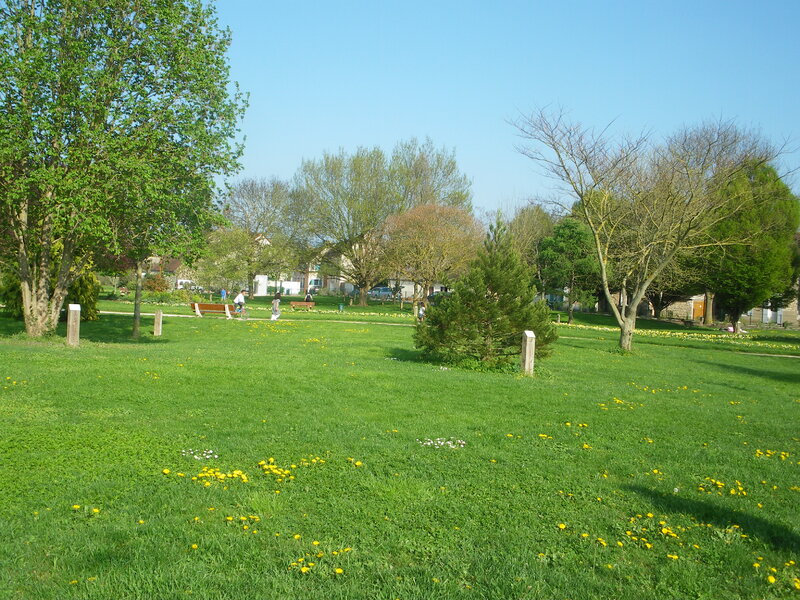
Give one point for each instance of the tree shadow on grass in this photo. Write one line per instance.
(116, 329)
(9, 326)
(779, 537)
(405, 355)
(109, 329)
(783, 377)
(788, 338)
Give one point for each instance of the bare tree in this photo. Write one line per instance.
(643, 202)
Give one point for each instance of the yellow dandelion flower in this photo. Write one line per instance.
(166, 471)
(562, 526)
(771, 579)
(297, 536)
(194, 546)
(338, 571)
(315, 543)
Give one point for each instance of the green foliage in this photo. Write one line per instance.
(85, 290)
(11, 295)
(117, 118)
(747, 274)
(170, 297)
(569, 263)
(490, 307)
(156, 283)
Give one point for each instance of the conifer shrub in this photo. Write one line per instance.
(85, 290)
(480, 324)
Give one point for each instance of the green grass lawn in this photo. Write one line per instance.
(673, 472)
(326, 308)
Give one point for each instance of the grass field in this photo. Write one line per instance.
(334, 463)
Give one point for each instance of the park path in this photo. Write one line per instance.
(114, 312)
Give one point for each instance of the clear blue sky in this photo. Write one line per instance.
(341, 74)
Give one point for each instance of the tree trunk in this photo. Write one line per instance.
(40, 308)
(570, 310)
(708, 314)
(362, 296)
(736, 322)
(626, 333)
(137, 303)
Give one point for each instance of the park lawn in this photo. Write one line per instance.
(671, 472)
(327, 308)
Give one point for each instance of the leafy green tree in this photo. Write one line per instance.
(482, 321)
(569, 263)
(115, 120)
(343, 201)
(423, 174)
(234, 256)
(748, 274)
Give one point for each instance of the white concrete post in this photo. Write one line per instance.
(158, 323)
(73, 325)
(528, 349)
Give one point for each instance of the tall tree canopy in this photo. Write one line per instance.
(763, 265)
(263, 227)
(423, 174)
(569, 264)
(343, 200)
(115, 119)
(528, 227)
(643, 202)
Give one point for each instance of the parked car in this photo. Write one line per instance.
(381, 293)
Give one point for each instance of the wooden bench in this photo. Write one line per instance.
(200, 307)
(306, 305)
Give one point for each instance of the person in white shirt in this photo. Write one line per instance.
(239, 301)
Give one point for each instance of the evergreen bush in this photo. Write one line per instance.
(85, 290)
(481, 322)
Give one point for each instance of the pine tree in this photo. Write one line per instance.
(482, 321)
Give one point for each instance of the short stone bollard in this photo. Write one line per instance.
(158, 322)
(528, 350)
(73, 325)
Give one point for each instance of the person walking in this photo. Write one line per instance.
(276, 306)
